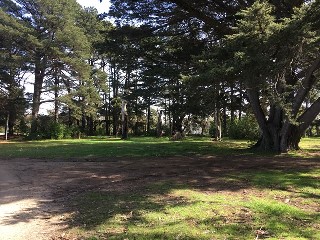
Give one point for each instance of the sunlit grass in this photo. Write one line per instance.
(114, 147)
(170, 211)
(310, 143)
(136, 147)
(310, 147)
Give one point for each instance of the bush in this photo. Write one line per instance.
(57, 130)
(23, 127)
(47, 128)
(246, 128)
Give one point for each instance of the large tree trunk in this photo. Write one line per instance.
(40, 66)
(265, 142)
(278, 133)
(279, 141)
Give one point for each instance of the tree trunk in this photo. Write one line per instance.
(7, 126)
(83, 123)
(90, 126)
(159, 124)
(148, 119)
(124, 115)
(217, 122)
(107, 119)
(11, 123)
(240, 102)
(232, 97)
(278, 133)
(38, 82)
(56, 100)
(225, 124)
(265, 142)
(115, 119)
(177, 123)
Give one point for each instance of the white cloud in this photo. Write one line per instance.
(100, 6)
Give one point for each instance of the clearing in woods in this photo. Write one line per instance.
(239, 196)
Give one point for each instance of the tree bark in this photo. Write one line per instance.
(7, 126)
(278, 133)
(124, 115)
(309, 116)
(148, 118)
(265, 142)
(40, 66)
(307, 83)
(159, 124)
(217, 122)
(56, 100)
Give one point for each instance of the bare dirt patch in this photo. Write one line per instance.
(35, 194)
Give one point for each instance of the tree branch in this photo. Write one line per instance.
(309, 115)
(307, 84)
(253, 96)
(201, 15)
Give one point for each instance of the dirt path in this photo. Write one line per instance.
(26, 205)
(34, 194)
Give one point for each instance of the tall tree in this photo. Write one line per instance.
(13, 66)
(54, 38)
(273, 53)
(279, 61)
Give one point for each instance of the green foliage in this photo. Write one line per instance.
(50, 129)
(23, 127)
(253, 43)
(58, 131)
(246, 128)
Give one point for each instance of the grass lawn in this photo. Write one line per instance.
(114, 147)
(273, 205)
(134, 147)
(194, 189)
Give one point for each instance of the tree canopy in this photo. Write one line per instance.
(184, 63)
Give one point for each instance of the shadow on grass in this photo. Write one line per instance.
(171, 211)
(135, 147)
(142, 147)
(201, 197)
(152, 209)
(302, 182)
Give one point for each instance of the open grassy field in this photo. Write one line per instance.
(134, 147)
(194, 189)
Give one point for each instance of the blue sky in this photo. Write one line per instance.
(102, 7)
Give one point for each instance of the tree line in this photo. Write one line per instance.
(249, 67)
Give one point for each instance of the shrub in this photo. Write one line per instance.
(246, 128)
(23, 127)
(57, 130)
(47, 128)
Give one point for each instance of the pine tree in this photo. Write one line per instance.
(52, 41)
